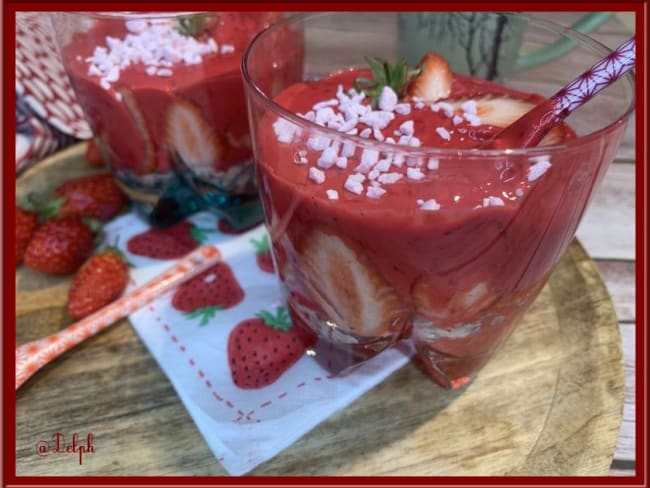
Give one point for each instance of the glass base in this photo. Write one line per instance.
(448, 371)
(165, 199)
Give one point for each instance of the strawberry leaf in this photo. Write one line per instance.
(204, 313)
(395, 76)
(283, 314)
(93, 224)
(113, 249)
(364, 81)
(279, 321)
(47, 209)
(378, 67)
(191, 25)
(199, 234)
(262, 245)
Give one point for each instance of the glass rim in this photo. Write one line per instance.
(132, 14)
(599, 48)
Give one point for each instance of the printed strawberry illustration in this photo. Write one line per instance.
(95, 196)
(101, 279)
(263, 254)
(59, 246)
(204, 295)
(26, 224)
(261, 349)
(167, 243)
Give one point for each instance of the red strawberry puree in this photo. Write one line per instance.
(450, 254)
(186, 98)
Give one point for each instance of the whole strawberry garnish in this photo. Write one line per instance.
(95, 196)
(26, 224)
(263, 254)
(260, 350)
(167, 243)
(59, 246)
(204, 295)
(101, 279)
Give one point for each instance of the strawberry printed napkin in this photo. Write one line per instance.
(225, 340)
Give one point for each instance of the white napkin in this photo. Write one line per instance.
(242, 427)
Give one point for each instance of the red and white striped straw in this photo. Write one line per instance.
(32, 356)
(529, 130)
(599, 76)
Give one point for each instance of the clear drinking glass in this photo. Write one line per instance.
(450, 261)
(164, 96)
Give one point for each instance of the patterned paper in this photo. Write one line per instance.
(48, 116)
(41, 79)
(35, 137)
(187, 332)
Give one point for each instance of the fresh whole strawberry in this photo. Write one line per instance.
(167, 243)
(59, 246)
(26, 224)
(204, 295)
(261, 349)
(101, 279)
(94, 196)
(263, 254)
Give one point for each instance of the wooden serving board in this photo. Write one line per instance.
(549, 403)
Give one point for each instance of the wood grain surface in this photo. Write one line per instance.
(549, 403)
(111, 387)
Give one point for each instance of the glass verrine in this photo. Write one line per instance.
(398, 227)
(163, 94)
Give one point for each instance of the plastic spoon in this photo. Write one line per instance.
(528, 130)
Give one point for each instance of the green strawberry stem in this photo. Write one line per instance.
(279, 321)
(395, 76)
(199, 234)
(114, 249)
(204, 313)
(191, 25)
(46, 209)
(93, 224)
(97, 227)
(51, 208)
(262, 245)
